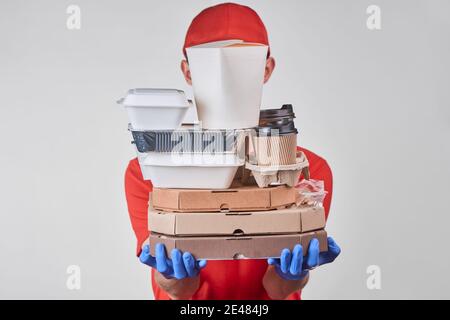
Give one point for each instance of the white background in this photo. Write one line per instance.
(375, 104)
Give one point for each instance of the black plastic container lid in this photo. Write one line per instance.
(186, 140)
(286, 111)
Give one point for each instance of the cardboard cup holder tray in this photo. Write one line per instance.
(289, 175)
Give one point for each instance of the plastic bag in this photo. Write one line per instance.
(310, 192)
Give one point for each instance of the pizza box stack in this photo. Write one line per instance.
(224, 188)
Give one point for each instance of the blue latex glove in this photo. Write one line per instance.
(181, 266)
(293, 266)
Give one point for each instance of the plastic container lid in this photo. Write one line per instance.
(280, 120)
(155, 98)
(286, 111)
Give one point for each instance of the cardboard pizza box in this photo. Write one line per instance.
(292, 220)
(242, 198)
(232, 248)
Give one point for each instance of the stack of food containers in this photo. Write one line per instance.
(175, 157)
(225, 190)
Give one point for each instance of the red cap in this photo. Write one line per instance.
(226, 21)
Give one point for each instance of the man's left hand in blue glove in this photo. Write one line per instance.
(290, 272)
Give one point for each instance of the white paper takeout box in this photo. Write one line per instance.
(227, 79)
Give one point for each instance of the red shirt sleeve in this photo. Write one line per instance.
(137, 192)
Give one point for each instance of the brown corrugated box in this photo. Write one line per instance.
(228, 248)
(283, 221)
(244, 198)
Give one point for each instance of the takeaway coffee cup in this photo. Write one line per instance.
(275, 141)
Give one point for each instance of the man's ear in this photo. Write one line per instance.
(186, 71)
(270, 66)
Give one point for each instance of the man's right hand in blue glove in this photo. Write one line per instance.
(292, 265)
(290, 272)
(179, 276)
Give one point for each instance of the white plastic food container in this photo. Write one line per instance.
(190, 171)
(155, 109)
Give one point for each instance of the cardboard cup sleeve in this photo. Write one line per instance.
(275, 150)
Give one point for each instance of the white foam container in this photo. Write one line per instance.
(190, 171)
(155, 109)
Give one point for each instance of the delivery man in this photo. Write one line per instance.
(180, 276)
